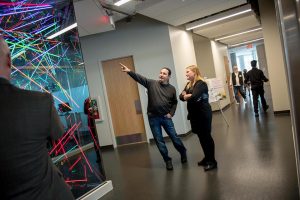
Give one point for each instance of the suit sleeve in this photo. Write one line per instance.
(56, 127)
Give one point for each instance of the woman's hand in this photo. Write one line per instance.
(168, 115)
(187, 96)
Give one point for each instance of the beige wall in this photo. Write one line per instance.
(274, 55)
(219, 51)
(204, 56)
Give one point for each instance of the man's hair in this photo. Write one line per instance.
(169, 71)
(253, 63)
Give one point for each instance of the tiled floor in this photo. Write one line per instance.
(255, 161)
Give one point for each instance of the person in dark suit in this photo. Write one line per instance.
(28, 120)
(91, 113)
(257, 79)
(200, 114)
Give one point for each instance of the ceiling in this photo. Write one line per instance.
(96, 16)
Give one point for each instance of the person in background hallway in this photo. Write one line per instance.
(246, 85)
(200, 114)
(237, 81)
(257, 79)
(90, 112)
(28, 119)
(162, 103)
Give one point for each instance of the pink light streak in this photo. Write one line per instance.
(79, 180)
(95, 142)
(87, 162)
(78, 159)
(21, 4)
(60, 140)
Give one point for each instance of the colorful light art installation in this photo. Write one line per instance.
(55, 66)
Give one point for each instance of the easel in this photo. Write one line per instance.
(219, 105)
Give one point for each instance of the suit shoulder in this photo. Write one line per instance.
(34, 94)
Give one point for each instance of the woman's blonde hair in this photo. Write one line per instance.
(198, 76)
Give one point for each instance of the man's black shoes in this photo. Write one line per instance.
(169, 165)
(183, 158)
(210, 166)
(202, 162)
(266, 108)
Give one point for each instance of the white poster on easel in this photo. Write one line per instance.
(216, 93)
(216, 89)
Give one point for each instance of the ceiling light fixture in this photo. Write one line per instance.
(236, 34)
(219, 17)
(121, 2)
(62, 31)
(247, 42)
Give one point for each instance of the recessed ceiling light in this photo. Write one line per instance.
(236, 34)
(121, 2)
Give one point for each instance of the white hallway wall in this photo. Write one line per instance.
(184, 55)
(148, 41)
(274, 55)
(219, 51)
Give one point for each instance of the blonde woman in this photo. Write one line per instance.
(200, 114)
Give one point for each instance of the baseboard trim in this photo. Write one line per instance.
(98, 192)
(107, 147)
(282, 112)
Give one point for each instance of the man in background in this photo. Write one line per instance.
(91, 113)
(237, 80)
(27, 120)
(257, 79)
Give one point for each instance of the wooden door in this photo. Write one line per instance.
(124, 102)
(226, 62)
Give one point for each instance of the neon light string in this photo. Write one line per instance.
(45, 52)
(63, 90)
(14, 13)
(32, 15)
(40, 86)
(69, 136)
(31, 23)
(60, 140)
(22, 4)
(94, 138)
(76, 181)
(88, 163)
(44, 28)
(78, 159)
(29, 48)
(65, 154)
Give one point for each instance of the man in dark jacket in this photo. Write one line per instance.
(162, 103)
(257, 79)
(27, 120)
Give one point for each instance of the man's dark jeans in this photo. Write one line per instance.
(155, 124)
(258, 92)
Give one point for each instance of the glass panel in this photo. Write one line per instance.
(55, 66)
